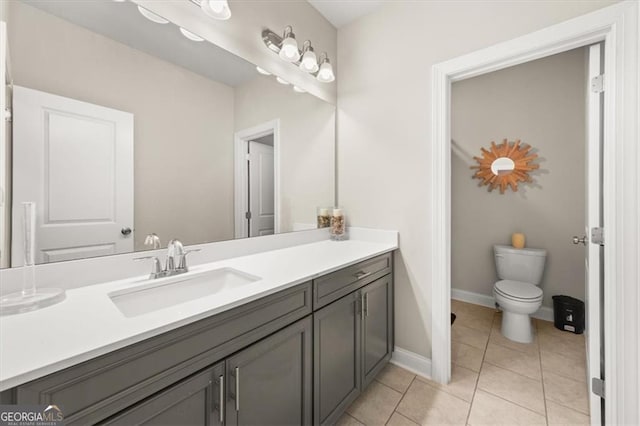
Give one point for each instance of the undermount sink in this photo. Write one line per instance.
(165, 292)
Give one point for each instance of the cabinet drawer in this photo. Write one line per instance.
(194, 401)
(333, 286)
(96, 389)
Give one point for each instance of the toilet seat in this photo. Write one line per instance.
(518, 291)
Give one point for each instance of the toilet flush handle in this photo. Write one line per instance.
(577, 240)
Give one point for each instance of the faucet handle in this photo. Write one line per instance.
(156, 269)
(183, 259)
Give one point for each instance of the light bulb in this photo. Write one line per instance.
(289, 48)
(325, 74)
(152, 16)
(282, 81)
(299, 89)
(263, 71)
(216, 9)
(309, 61)
(191, 36)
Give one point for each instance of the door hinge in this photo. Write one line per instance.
(597, 84)
(597, 386)
(248, 157)
(247, 215)
(597, 236)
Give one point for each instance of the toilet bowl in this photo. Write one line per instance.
(518, 300)
(517, 292)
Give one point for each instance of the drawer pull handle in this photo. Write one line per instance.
(221, 400)
(361, 274)
(237, 388)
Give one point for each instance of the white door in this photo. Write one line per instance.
(261, 195)
(75, 161)
(594, 259)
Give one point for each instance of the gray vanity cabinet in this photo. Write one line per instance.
(269, 383)
(300, 356)
(194, 401)
(377, 327)
(353, 341)
(337, 369)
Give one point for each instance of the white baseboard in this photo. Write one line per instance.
(411, 361)
(544, 313)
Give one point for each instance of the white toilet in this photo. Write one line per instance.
(517, 293)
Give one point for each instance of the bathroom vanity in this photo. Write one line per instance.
(299, 354)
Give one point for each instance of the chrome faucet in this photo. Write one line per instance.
(176, 254)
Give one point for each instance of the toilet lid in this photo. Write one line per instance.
(518, 290)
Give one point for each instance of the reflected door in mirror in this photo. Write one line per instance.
(75, 161)
(261, 189)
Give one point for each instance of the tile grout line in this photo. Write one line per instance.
(503, 399)
(544, 394)
(415, 377)
(475, 388)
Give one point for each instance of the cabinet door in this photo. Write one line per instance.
(377, 327)
(337, 357)
(193, 401)
(270, 382)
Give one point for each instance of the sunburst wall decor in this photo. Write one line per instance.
(505, 165)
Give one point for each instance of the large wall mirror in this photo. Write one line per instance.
(123, 128)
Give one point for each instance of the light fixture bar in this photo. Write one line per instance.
(273, 41)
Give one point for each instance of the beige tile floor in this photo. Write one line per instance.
(494, 381)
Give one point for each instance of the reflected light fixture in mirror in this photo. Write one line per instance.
(309, 62)
(282, 81)
(289, 48)
(299, 89)
(262, 71)
(216, 9)
(191, 36)
(152, 16)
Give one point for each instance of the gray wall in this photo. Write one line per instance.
(384, 123)
(177, 115)
(543, 104)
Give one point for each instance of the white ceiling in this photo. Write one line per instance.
(343, 12)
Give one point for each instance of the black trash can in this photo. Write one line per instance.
(568, 314)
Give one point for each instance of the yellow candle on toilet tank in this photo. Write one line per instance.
(517, 240)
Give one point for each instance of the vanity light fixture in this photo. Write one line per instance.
(309, 62)
(216, 9)
(282, 81)
(325, 74)
(299, 89)
(152, 16)
(287, 48)
(263, 71)
(191, 36)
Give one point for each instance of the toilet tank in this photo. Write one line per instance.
(525, 264)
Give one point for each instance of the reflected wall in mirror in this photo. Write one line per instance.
(123, 127)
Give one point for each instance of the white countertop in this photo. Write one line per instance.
(87, 324)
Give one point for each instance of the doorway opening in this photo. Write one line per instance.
(616, 27)
(543, 104)
(256, 177)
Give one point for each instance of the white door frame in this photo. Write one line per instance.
(240, 200)
(617, 27)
